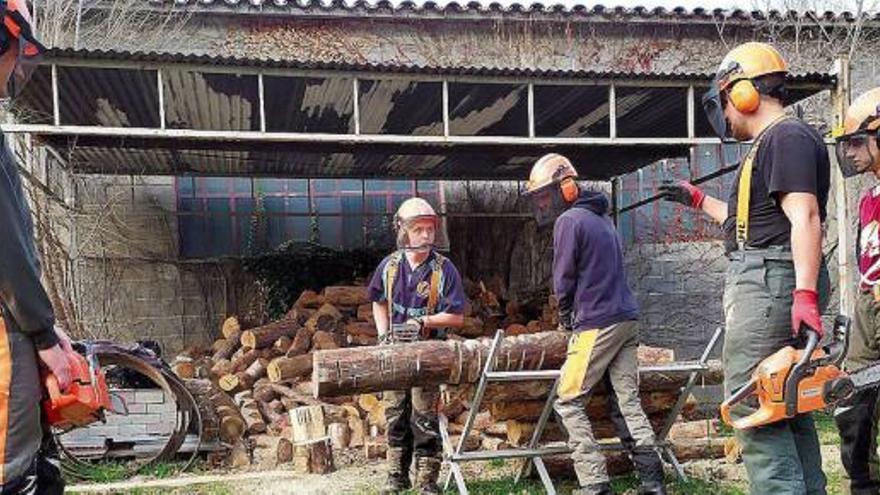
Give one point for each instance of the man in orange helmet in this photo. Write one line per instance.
(777, 280)
(28, 338)
(418, 288)
(857, 153)
(597, 306)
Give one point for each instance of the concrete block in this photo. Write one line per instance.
(163, 408)
(136, 408)
(132, 430)
(150, 396)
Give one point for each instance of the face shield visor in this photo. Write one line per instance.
(856, 153)
(714, 101)
(20, 52)
(546, 203)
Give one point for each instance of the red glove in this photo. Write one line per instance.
(682, 192)
(805, 311)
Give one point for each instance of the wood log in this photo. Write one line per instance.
(366, 369)
(270, 451)
(266, 335)
(365, 312)
(361, 340)
(264, 393)
(472, 442)
(230, 327)
(361, 328)
(309, 299)
(282, 345)
(346, 295)
(655, 355)
(519, 433)
(688, 430)
(217, 345)
(375, 447)
(498, 429)
(515, 329)
(324, 340)
(698, 448)
(202, 390)
(340, 435)
(221, 367)
(326, 319)
(472, 328)
(243, 360)
(302, 343)
(494, 443)
(239, 456)
(313, 458)
(597, 407)
(244, 380)
(253, 418)
(184, 367)
(374, 409)
(358, 431)
(283, 369)
(229, 346)
(218, 411)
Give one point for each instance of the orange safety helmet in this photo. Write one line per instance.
(857, 141)
(552, 187)
(16, 34)
(738, 80)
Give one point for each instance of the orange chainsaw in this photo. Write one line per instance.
(796, 381)
(86, 399)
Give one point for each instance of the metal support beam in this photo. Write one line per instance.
(445, 88)
(356, 101)
(280, 137)
(531, 109)
(612, 111)
(160, 87)
(56, 109)
(261, 94)
(691, 128)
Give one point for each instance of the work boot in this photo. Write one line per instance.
(652, 488)
(427, 472)
(594, 489)
(398, 474)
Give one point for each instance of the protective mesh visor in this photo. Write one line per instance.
(714, 108)
(855, 153)
(546, 203)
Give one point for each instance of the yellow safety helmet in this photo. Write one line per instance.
(861, 125)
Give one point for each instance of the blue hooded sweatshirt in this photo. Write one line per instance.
(588, 275)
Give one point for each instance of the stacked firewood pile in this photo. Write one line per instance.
(255, 380)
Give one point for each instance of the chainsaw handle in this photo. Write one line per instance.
(793, 380)
(57, 398)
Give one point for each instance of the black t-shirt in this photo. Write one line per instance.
(791, 158)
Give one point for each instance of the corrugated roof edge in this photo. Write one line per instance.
(157, 57)
(495, 9)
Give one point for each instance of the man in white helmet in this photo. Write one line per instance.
(858, 152)
(418, 286)
(597, 306)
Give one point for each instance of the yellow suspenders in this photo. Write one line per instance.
(436, 280)
(744, 189)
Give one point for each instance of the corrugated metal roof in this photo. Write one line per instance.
(162, 57)
(480, 10)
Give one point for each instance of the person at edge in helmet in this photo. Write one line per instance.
(858, 153)
(597, 307)
(419, 286)
(777, 281)
(28, 336)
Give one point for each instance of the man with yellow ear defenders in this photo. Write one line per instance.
(777, 281)
(858, 153)
(598, 308)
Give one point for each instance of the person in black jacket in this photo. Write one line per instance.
(28, 337)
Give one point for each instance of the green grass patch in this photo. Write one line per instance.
(200, 489)
(826, 428)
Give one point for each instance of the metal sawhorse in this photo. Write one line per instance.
(455, 454)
